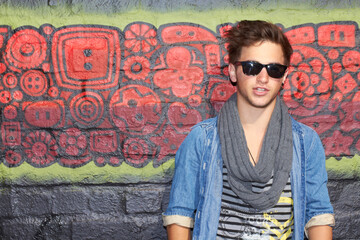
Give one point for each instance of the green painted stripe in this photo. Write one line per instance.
(288, 15)
(345, 168)
(26, 174)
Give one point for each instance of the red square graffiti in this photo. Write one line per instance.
(11, 133)
(103, 141)
(86, 56)
(337, 35)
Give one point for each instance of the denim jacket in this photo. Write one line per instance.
(197, 182)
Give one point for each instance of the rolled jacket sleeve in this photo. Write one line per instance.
(326, 219)
(179, 220)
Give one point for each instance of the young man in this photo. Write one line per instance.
(252, 172)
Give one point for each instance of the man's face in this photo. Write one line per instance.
(258, 91)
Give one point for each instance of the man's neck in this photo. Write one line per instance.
(255, 122)
(255, 116)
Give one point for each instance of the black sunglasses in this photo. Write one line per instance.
(253, 68)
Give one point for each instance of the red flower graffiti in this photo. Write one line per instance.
(73, 142)
(180, 76)
(310, 81)
(136, 67)
(40, 148)
(140, 37)
(337, 144)
(135, 109)
(137, 151)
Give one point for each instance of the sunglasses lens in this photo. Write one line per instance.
(276, 70)
(251, 68)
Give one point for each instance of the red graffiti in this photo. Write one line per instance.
(180, 76)
(91, 93)
(86, 57)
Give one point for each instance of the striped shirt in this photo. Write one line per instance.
(239, 220)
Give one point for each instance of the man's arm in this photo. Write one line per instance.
(177, 232)
(320, 233)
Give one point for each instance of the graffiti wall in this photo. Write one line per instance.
(83, 94)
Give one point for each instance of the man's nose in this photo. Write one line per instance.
(263, 76)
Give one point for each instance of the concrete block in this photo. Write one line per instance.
(104, 229)
(70, 201)
(349, 199)
(143, 201)
(22, 228)
(5, 203)
(31, 202)
(104, 200)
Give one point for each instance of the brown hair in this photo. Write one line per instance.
(247, 33)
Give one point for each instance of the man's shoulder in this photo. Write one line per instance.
(302, 129)
(210, 123)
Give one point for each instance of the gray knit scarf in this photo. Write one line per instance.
(275, 156)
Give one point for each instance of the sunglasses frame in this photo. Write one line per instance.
(245, 64)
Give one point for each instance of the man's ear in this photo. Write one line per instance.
(232, 73)
(285, 76)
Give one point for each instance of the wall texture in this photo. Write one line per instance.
(96, 97)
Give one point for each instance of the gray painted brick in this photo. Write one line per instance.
(54, 228)
(346, 225)
(143, 201)
(105, 201)
(31, 202)
(335, 189)
(122, 228)
(154, 230)
(165, 198)
(19, 229)
(104, 229)
(70, 201)
(5, 203)
(349, 199)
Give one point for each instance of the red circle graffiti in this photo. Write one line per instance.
(87, 108)
(10, 112)
(53, 92)
(10, 80)
(2, 68)
(140, 37)
(136, 151)
(333, 54)
(17, 95)
(26, 49)
(34, 83)
(136, 67)
(135, 109)
(40, 148)
(5, 97)
(310, 81)
(351, 61)
(12, 157)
